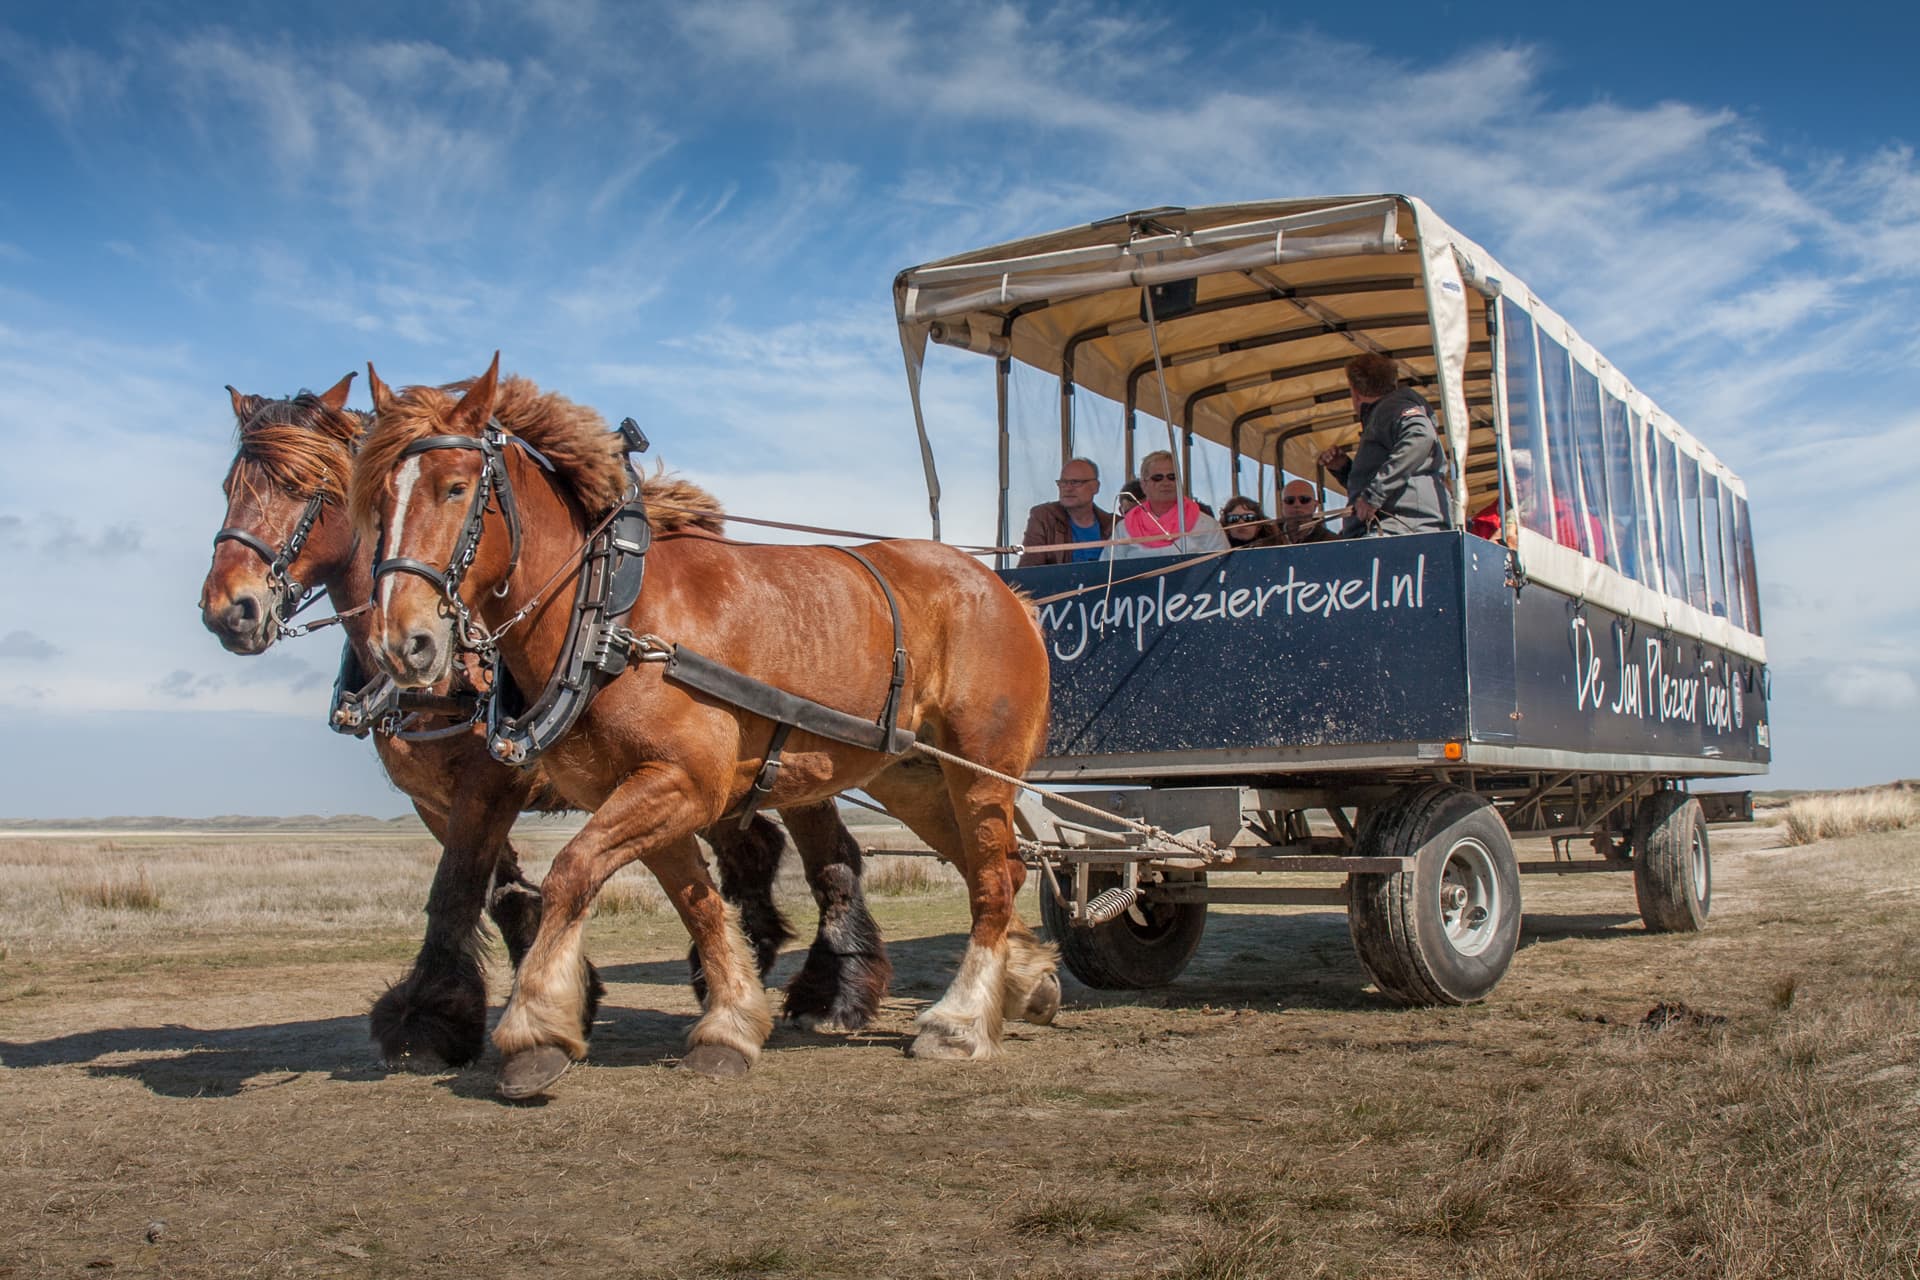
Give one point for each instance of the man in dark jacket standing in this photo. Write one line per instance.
(1073, 518)
(1396, 480)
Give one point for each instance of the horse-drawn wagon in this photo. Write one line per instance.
(1387, 711)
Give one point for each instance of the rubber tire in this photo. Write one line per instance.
(1396, 921)
(1126, 954)
(1667, 884)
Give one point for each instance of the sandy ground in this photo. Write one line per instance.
(211, 1087)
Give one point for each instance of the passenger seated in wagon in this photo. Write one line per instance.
(1566, 521)
(1300, 515)
(1073, 518)
(1167, 523)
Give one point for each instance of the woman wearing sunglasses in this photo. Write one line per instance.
(1167, 523)
(1246, 525)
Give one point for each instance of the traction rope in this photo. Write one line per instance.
(1205, 849)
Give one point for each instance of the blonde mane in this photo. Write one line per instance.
(586, 456)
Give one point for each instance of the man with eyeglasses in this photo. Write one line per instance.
(1300, 515)
(1072, 517)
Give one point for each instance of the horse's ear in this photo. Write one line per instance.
(244, 406)
(475, 409)
(336, 395)
(381, 396)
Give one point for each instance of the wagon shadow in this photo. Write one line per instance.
(195, 1062)
(1599, 926)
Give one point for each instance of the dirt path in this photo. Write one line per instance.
(1267, 1115)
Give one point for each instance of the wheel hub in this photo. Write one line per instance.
(1470, 898)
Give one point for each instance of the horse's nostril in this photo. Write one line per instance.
(420, 651)
(243, 612)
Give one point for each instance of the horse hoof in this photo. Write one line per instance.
(947, 1044)
(418, 1062)
(1043, 1002)
(531, 1072)
(715, 1061)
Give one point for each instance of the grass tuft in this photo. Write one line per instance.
(114, 893)
(636, 895)
(1075, 1221)
(886, 877)
(1850, 813)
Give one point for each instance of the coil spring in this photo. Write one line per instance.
(1110, 904)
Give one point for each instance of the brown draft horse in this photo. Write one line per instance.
(657, 762)
(286, 492)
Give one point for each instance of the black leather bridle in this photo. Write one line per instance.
(292, 596)
(492, 446)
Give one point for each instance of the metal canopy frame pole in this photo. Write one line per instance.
(1003, 371)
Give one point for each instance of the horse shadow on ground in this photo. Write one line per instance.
(199, 1062)
(1300, 961)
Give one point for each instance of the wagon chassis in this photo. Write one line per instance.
(1128, 906)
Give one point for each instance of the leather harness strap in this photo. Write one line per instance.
(790, 711)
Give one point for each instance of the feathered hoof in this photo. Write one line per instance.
(1042, 1002)
(820, 1023)
(715, 1061)
(429, 1024)
(531, 1072)
(946, 1042)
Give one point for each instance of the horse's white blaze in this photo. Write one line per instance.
(403, 482)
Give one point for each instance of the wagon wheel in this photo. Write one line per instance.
(1147, 945)
(1444, 932)
(1672, 867)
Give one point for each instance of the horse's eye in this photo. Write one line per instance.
(458, 489)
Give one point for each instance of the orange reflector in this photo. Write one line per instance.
(1453, 751)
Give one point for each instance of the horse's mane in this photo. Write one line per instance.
(300, 445)
(588, 458)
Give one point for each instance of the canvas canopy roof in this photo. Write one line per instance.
(1284, 294)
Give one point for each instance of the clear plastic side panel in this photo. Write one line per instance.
(1556, 397)
(1209, 473)
(1099, 434)
(1648, 494)
(1526, 439)
(1628, 544)
(1598, 527)
(1673, 539)
(1743, 543)
(1690, 522)
(1717, 600)
(1096, 431)
(1736, 572)
(1033, 427)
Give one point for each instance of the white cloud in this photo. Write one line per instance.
(1872, 688)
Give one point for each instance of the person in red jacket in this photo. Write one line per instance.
(1566, 521)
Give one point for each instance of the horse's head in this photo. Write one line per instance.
(285, 529)
(429, 485)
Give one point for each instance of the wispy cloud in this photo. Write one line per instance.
(26, 646)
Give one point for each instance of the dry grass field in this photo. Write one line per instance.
(184, 1056)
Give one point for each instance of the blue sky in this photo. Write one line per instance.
(692, 214)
